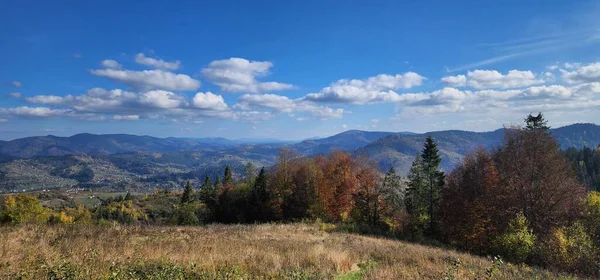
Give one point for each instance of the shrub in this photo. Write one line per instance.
(570, 249)
(23, 208)
(517, 243)
(592, 215)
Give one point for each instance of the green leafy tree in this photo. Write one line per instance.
(517, 242)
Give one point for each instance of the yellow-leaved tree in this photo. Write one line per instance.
(23, 208)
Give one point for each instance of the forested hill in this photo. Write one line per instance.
(144, 162)
(399, 150)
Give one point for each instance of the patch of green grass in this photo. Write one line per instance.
(364, 268)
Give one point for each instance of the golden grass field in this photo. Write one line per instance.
(266, 251)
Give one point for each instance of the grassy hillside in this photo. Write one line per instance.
(267, 251)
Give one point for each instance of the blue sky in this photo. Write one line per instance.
(293, 69)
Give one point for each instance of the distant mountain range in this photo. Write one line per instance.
(89, 160)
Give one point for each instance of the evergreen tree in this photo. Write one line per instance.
(392, 190)
(259, 198)
(187, 193)
(208, 193)
(207, 183)
(434, 180)
(249, 173)
(227, 178)
(536, 122)
(128, 196)
(415, 193)
(217, 182)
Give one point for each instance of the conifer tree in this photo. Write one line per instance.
(259, 197)
(187, 193)
(434, 180)
(392, 190)
(415, 193)
(207, 183)
(217, 182)
(227, 178)
(536, 122)
(249, 173)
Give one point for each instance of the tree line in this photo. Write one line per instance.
(524, 200)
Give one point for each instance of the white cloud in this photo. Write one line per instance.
(240, 75)
(149, 79)
(126, 117)
(161, 99)
(15, 94)
(375, 89)
(279, 103)
(112, 64)
(148, 104)
(588, 73)
(551, 97)
(455, 81)
(484, 79)
(16, 84)
(209, 101)
(45, 99)
(140, 58)
(41, 112)
(3, 120)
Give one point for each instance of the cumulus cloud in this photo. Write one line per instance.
(36, 112)
(45, 99)
(279, 103)
(112, 64)
(487, 79)
(14, 94)
(551, 97)
(375, 89)
(98, 102)
(126, 117)
(455, 81)
(140, 58)
(16, 84)
(209, 101)
(240, 75)
(149, 79)
(161, 99)
(584, 74)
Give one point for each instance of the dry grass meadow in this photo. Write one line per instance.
(267, 251)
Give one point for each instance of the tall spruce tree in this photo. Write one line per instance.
(536, 122)
(207, 183)
(425, 186)
(217, 182)
(392, 190)
(228, 177)
(416, 203)
(208, 193)
(259, 198)
(249, 173)
(434, 180)
(187, 193)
